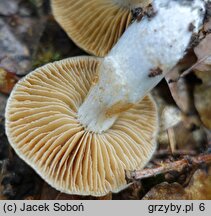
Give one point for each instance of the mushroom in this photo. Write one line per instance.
(81, 122)
(95, 25)
(43, 128)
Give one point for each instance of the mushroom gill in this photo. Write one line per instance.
(94, 25)
(43, 128)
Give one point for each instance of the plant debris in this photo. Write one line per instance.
(198, 189)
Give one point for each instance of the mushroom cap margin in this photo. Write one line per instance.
(94, 25)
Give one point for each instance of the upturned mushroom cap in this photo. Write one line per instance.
(95, 25)
(43, 128)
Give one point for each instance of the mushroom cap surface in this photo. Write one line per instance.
(43, 128)
(94, 25)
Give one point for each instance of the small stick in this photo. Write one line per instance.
(167, 167)
(180, 152)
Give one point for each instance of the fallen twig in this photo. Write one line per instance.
(178, 152)
(167, 167)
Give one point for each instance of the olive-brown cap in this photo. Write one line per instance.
(94, 25)
(43, 128)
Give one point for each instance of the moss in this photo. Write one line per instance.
(36, 3)
(45, 56)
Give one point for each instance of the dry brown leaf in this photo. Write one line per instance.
(207, 26)
(179, 88)
(202, 50)
(166, 191)
(199, 188)
(7, 81)
(202, 96)
(202, 93)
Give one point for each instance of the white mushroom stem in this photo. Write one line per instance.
(141, 58)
